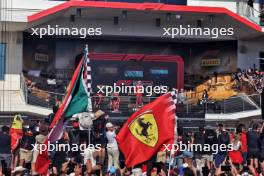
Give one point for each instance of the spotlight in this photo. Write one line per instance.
(178, 16)
(168, 17)
(199, 23)
(124, 14)
(211, 19)
(72, 18)
(115, 20)
(79, 12)
(158, 22)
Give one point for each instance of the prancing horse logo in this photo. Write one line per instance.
(145, 129)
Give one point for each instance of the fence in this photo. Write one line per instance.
(239, 103)
(248, 12)
(127, 104)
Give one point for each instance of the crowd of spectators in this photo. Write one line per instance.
(245, 158)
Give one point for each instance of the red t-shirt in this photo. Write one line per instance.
(243, 142)
(139, 90)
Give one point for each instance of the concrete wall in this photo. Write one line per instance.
(248, 53)
(18, 10)
(14, 46)
(230, 5)
(141, 28)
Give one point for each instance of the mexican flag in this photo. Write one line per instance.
(77, 98)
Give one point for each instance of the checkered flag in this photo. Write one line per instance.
(174, 96)
(87, 78)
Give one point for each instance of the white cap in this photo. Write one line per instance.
(109, 125)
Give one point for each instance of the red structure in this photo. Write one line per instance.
(143, 57)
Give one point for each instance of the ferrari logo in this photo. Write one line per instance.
(145, 129)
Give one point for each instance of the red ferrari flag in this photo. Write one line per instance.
(147, 130)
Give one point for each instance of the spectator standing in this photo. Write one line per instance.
(139, 94)
(253, 138)
(60, 155)
(211, 139)
(205, 96)
(74, 136)
(112, 147)
(262, 148)
(115, 102)
(99, 133)
(40, 139)
(241, 130)
(236, 158)
(222, 139)
(25, 153)
(5, 151)
(16, 133)
(199, 139)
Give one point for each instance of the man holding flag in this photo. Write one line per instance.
(148, 130)
(77, 100)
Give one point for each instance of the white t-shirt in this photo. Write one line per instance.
(88, 155)
(110, 135)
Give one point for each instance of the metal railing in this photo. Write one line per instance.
(127, 104)
(242, 8)
(196, 129)
(43, 98)
(236, 104)
(252, 14)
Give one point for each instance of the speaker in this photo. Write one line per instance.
(116, 20)
(72, 18)
(199, 23)
(157, 22)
